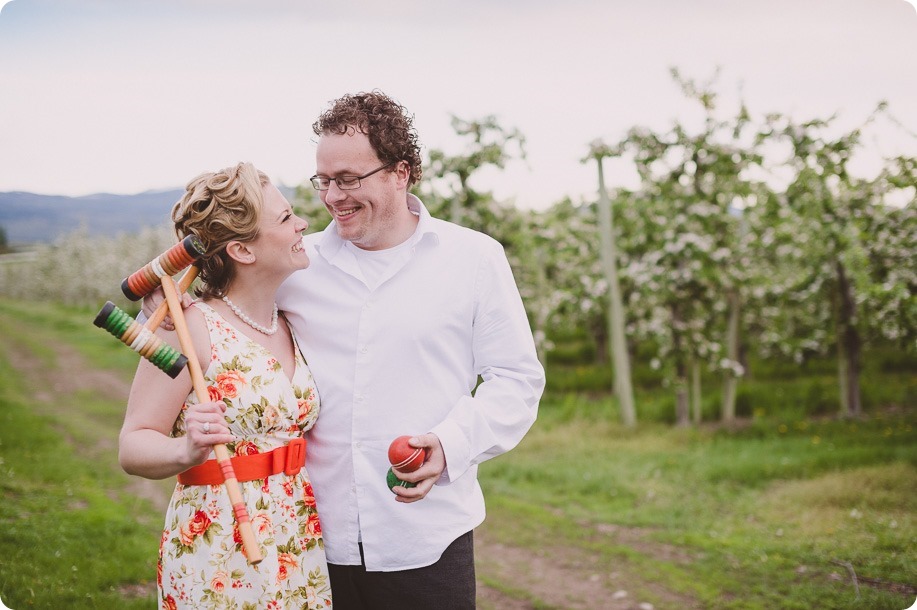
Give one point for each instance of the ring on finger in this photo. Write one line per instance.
(206, 427)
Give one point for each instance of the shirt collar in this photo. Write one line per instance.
(425, 226)
(330, 243)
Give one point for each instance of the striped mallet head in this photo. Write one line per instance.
(146, 279)
(140, 339)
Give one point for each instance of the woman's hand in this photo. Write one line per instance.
(151, 302)
(205, 426)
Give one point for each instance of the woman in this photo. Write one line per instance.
(263, 398)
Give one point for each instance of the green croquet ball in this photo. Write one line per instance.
(393, 481)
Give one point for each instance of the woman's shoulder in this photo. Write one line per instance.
(196, 319)
(197, 314)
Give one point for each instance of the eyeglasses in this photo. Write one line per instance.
(345, 183)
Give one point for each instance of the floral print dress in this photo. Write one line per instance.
(201, 562)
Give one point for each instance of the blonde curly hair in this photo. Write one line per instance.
(220, 207)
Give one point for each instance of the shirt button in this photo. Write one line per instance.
(357, 444)
(364, 349)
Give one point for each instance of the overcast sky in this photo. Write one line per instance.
(125, 96)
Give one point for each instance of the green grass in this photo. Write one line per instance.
(763, 511)
(40, 325)
(71, 535)
(750, 517)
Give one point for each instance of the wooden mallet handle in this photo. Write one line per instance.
(249, 543)
(160, 313)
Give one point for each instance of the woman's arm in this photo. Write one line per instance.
(145, 447)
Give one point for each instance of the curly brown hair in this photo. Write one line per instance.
(387, 124)
(220, 207)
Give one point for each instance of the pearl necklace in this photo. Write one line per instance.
(242, 316)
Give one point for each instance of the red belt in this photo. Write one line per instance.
(289, 459)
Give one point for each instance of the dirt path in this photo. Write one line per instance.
(564, 576)
(71, 375)
(555, 576)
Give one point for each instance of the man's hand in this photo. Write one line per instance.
(427, 475)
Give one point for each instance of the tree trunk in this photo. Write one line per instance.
(842, 375)
(460, 202)
(681, 404)
(622, 378)
(696, 414)
(599, 331)
(541, 312)
(731, 381)
(682, 417)
(743, 358)
(848, 344)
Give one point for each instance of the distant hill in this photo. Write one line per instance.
(32, 218)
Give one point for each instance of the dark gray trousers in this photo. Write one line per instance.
(448, 584)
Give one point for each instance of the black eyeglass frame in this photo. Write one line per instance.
(345, 183)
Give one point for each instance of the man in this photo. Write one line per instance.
(398, 315)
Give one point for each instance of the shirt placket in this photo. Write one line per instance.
(362, 415)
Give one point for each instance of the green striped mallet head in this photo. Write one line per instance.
(141, 339)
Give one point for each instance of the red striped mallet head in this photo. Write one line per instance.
(145, 280)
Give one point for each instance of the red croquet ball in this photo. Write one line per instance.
(403, 457)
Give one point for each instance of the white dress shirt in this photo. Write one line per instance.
(402, 358)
